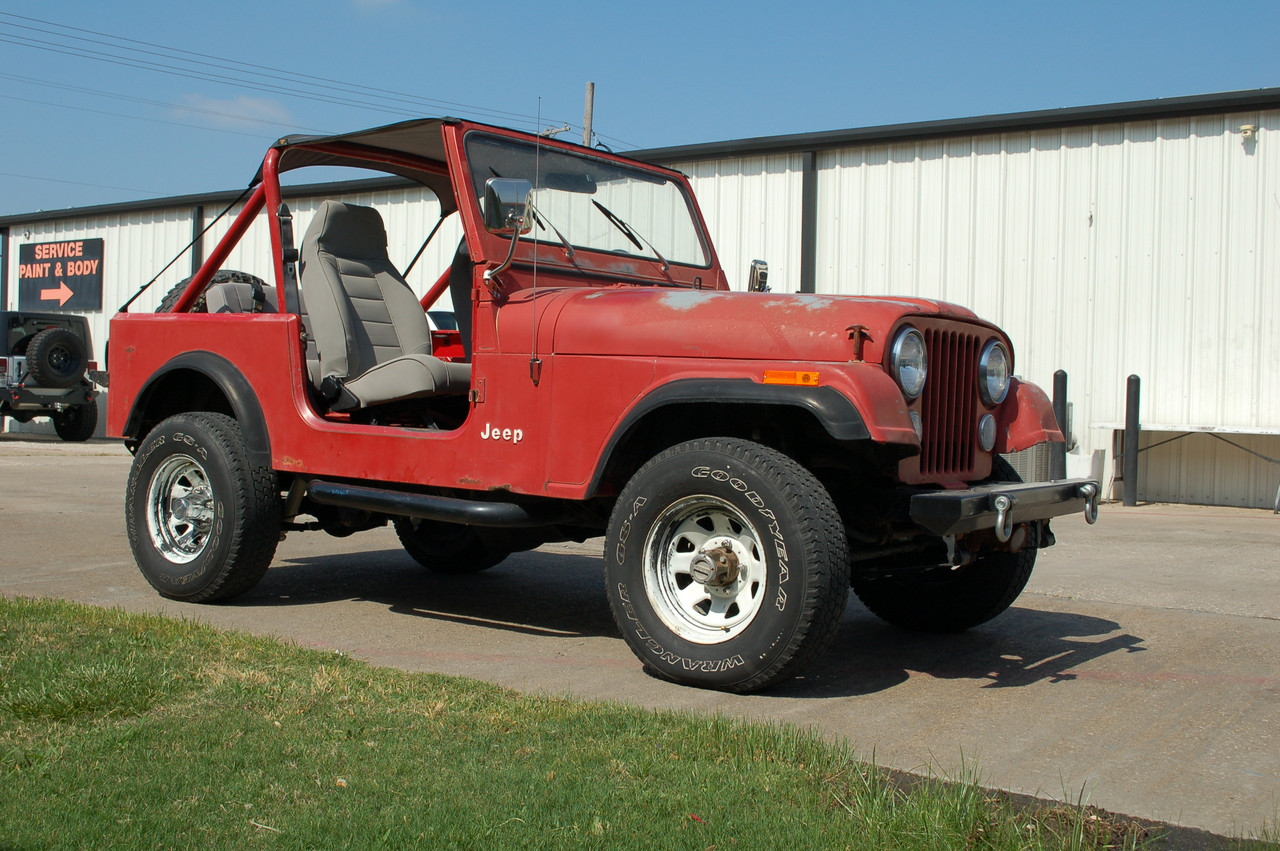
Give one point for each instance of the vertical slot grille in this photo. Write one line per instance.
(950, 404)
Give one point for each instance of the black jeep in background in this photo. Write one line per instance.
(44, 358)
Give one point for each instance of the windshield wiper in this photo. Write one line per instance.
(631, 234)
(540, 218)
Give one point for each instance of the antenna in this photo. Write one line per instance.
(535, 362)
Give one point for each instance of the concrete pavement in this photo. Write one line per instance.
(1140, 670)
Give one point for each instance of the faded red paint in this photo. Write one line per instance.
(609, 332)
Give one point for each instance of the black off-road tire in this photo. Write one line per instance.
(76, 424)
(941, 599)
(449, 547)
(56, 357)
(764, 513)
(222, 276)
(203, 521)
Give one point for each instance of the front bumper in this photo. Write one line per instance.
(1001, 506)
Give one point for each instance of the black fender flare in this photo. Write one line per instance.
(234, 386)
(831, 408)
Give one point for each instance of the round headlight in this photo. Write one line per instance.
(993, 373)
(909, 362)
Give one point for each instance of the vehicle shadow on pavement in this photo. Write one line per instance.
(1019, 648)
(554, 595)
(532, 593)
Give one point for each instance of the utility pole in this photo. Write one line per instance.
(587, 114)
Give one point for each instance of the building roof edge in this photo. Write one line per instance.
(1145, 110)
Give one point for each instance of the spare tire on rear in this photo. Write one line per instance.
(222, 276)
(56, 357)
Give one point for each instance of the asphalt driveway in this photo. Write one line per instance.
(1140, 671)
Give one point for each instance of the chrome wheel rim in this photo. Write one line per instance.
(180, 509)
(702, 528)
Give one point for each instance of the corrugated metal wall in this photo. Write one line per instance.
(1210, 469)
(409, 214)
(752, 206)
(1149, 248)
(135, 246)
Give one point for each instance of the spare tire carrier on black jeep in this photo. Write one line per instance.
(56, 357)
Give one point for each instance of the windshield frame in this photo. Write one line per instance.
(546, 244)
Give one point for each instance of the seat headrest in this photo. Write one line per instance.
(348, 230)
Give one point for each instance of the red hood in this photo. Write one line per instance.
(649, 321)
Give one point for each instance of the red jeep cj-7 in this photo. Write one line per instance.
(748, 456)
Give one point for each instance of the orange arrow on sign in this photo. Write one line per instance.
(62, 293)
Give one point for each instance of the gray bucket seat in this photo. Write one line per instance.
(372, 339)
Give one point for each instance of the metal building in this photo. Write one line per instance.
(1135, 238)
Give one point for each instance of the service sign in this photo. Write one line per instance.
(63, 275)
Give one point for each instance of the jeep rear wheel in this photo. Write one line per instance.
(946, 599)
(56, 357)
(726, 565)
(76, 423)
(203, 521)
(448, 547)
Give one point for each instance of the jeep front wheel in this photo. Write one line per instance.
(202, 519)
(726, 565)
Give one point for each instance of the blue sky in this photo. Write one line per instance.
(80, 130)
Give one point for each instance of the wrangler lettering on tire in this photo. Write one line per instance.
(727, 565)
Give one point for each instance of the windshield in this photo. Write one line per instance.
(595, 204)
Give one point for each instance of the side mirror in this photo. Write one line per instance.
(505, 201)
(758, 277)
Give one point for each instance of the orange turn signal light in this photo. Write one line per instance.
(782, 376)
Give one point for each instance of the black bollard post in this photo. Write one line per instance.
(1129, 470)
(1058, 460)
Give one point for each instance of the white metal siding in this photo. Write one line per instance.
(137, 245)
(1150, 248)
(1209, 469)
(132, 245)
(1147, 248)
(752, 208)
(409, 214)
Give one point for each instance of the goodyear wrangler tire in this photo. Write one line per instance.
(942, 599)
(203, 521)
(726, 565)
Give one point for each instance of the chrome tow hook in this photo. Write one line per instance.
(1090, 493)
(1003, 504)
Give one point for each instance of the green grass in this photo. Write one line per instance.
(132, 731)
